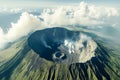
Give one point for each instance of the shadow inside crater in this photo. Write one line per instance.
(46, 42)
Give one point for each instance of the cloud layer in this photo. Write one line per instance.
(26, 24)
(83, 14)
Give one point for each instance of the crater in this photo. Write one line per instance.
(62, 45)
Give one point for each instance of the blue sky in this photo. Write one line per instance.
(53, 3)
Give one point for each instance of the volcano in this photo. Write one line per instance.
(62, 54)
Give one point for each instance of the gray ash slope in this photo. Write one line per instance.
(27, 65)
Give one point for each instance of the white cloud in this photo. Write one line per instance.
(83, 14)
(11, 10)
(16, 10)
(26, 24)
